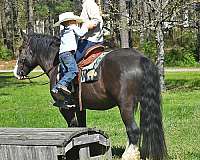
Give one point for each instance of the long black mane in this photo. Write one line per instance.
(43, 44)
(45, 47)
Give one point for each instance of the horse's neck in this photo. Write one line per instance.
(52, 72)
(53, 76)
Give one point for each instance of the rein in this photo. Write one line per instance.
(27, 77)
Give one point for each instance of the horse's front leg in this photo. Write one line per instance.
(70, 117)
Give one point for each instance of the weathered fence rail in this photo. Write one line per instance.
(54, 144)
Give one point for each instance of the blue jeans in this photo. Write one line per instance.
(68, 68)
(83, 45)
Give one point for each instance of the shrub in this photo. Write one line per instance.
(5, 54)
(180, 57)
(149, 49)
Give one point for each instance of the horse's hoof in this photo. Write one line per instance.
(132, 153)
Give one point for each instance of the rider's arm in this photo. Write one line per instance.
(80, 31)
(92, 11)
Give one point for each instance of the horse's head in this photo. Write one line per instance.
(36, 50)
(26, 61)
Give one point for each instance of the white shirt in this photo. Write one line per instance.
(91, 12)
(69, 37)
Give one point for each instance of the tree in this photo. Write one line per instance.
(124, 33)
(30, 16)
(1, 27)
(7, 23)
(16, 30)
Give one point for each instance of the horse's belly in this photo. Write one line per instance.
(95, 97)
(98, 107)
(97, 103)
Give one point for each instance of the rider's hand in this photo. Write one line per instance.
(90, 25)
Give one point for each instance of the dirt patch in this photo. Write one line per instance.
(7, 65)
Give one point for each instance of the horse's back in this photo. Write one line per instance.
(122, 70)
(124, 61)
(124, 52)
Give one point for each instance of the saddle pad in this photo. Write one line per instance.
(89, 73)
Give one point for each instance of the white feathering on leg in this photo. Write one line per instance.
(132, 153)
(15, 71)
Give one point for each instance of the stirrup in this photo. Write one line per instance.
(64, 89)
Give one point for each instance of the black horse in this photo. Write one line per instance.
(127, 78)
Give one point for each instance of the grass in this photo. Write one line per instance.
(25, 104)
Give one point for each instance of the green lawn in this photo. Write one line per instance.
(25, 104)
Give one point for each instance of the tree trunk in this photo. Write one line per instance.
(16, 31)
(1, 28)
(8, 25)
(46, 26)
(160, 44)
(3, 24)
(77, 6)
(198, 37)
(124, 35)
(130, 32)
(30, 17)
(160, 54)
(143, 21)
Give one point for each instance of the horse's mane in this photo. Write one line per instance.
(44, 44)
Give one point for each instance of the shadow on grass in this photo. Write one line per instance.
(4, 94)
(183, 84)
(117, 151)
(9, 81)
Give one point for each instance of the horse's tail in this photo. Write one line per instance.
(152, 141)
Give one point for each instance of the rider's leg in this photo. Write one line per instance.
(69, 69)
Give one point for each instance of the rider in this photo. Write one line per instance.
(69, 36)
(91, 14)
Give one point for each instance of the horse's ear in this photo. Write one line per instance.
(56, 41)
(23, 35)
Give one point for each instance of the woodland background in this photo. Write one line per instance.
(167, 31)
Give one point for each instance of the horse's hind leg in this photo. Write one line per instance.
(127, 113)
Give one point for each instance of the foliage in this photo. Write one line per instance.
(187, 39)
(149, 49)
(180, 50)
(65, 6)
(180, 57)
(5, 54)
(22, 106)
(43, 9)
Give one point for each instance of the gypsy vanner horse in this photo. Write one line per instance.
(127, 79)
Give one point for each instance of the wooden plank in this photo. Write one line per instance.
(84, 153)
(36, 133)
(32, 142)
(36, 136)
(87, 139)
(11, 152)
(20, 130)
(108, 154)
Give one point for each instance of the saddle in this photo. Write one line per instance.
(91, 54)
